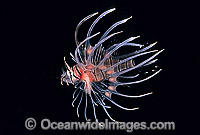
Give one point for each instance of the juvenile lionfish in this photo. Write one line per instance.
(97, 70)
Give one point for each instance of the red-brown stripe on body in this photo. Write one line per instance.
(98, 74)
(102, 75)
(76, 71)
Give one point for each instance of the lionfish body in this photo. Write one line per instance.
(95, 65)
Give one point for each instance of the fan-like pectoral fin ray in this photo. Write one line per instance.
(129, 96)
(77, 89)
(144, 49)
(75, 98)
(127, 44)
(104, 107)
(79, 104)
(114, 49)
(151, 62)
(76, 32)
(80, 23)
(113, 26)
(98, 89)
(129, 76)
(77, 48)
(93, 107)
(129, 58)
(97, 45)
(85, 106)
(95, 22)
(118, 104)
(134, 82)
(137, 66)
(136, 52)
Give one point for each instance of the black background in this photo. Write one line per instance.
(37, 34)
